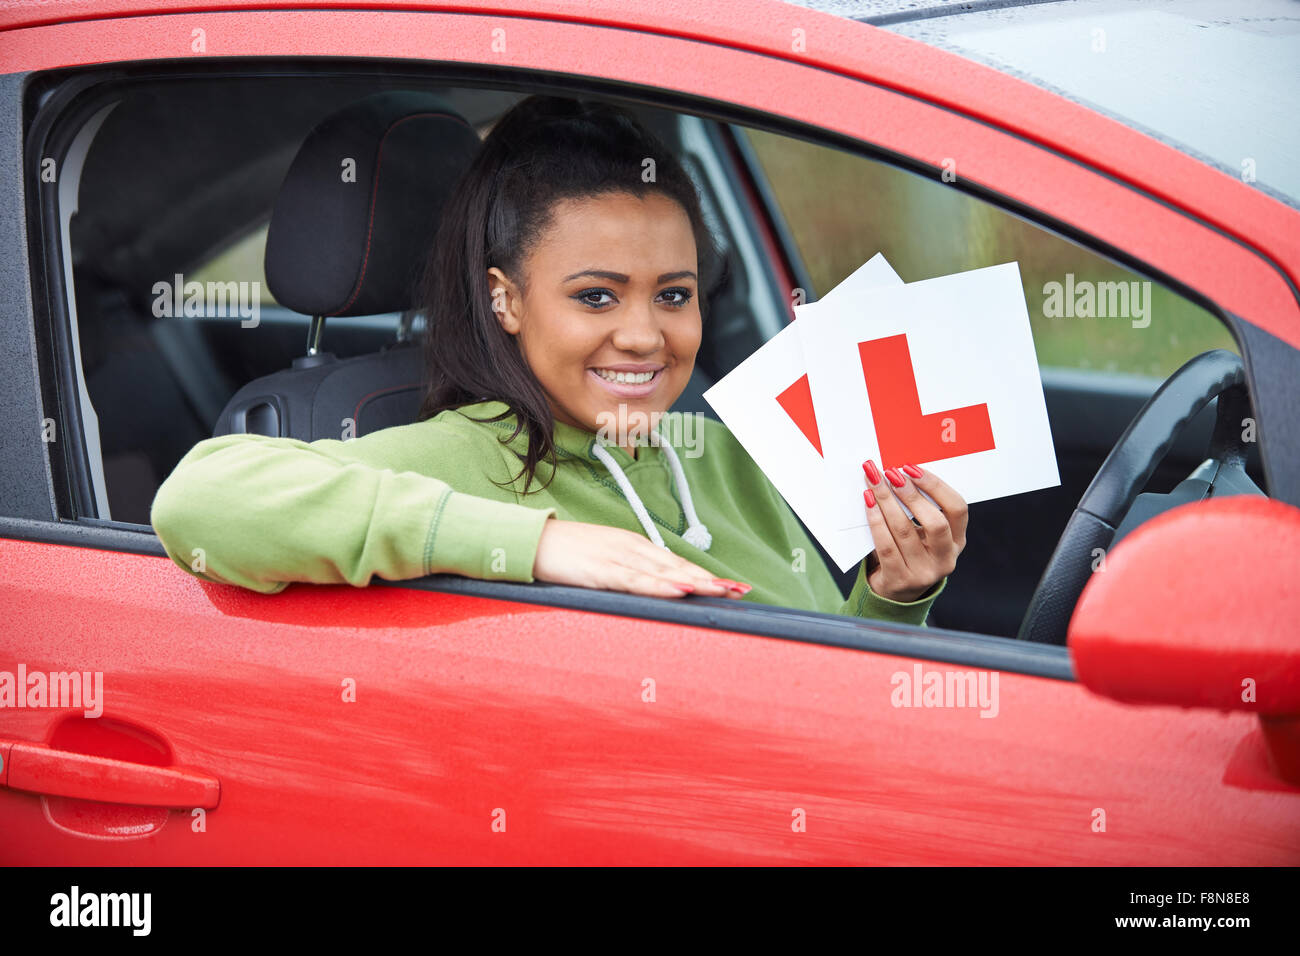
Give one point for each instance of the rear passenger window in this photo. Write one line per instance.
(243, 262)
(160, 362)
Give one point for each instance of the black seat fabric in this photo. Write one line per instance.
(341, 399)
(359, 206)
(349, 233)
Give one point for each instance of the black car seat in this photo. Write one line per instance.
(349, 232)
(338, 247)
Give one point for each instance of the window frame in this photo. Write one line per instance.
(930, 644)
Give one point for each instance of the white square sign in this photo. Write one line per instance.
(941, 374)
(766, 402)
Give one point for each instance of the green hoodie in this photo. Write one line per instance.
(260, 512)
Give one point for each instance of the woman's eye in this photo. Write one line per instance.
(586, 297)
(598, 298)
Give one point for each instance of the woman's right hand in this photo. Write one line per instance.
(596, 556)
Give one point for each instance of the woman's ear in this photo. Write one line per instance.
(505, 300)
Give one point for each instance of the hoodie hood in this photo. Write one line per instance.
(572, 442)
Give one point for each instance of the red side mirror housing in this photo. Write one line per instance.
(1200, 607)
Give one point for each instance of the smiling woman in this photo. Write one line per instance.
(590, 346)
(566, 200)
(563, 294)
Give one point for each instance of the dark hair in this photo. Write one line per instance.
(544, 149)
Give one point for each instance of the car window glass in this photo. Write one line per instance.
(842, 209)
(1101, 353)
(242, 261)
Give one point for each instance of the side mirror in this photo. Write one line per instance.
(1200, 607)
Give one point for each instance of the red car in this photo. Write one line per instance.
(1112, 675)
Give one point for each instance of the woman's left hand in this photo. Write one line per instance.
(912, 558)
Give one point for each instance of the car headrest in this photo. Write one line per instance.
(345, 398)
(360, 204)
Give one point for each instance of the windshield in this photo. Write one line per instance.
(1219, 79)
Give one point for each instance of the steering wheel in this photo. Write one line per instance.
(1216, 374)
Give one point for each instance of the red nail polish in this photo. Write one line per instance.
(894, 477)
(869, 498)
(745, 588)
(727, 583)
(913, 471)
(873, 474)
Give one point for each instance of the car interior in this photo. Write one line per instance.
(181, 376)
(230, 158)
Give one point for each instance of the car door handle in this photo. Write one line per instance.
(61, 773)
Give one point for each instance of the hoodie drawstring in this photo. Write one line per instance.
(696, 534)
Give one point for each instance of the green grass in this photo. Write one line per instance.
(242, 261)
(842, 209)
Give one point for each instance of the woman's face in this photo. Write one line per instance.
(611, 315)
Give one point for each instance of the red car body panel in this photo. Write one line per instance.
(467, 706)
(1190, 651)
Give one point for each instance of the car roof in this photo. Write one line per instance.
(1216, 79)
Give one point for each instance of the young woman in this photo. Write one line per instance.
(564, 294)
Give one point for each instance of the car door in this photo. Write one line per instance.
(453, 721)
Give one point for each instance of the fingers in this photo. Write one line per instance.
(913, 554)
(596, 556)
(650, 554)
(888, 557)
(936, 533)
(657, 583)
(645, 555)
(648, 583)
(953, 504)
(905, 538)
